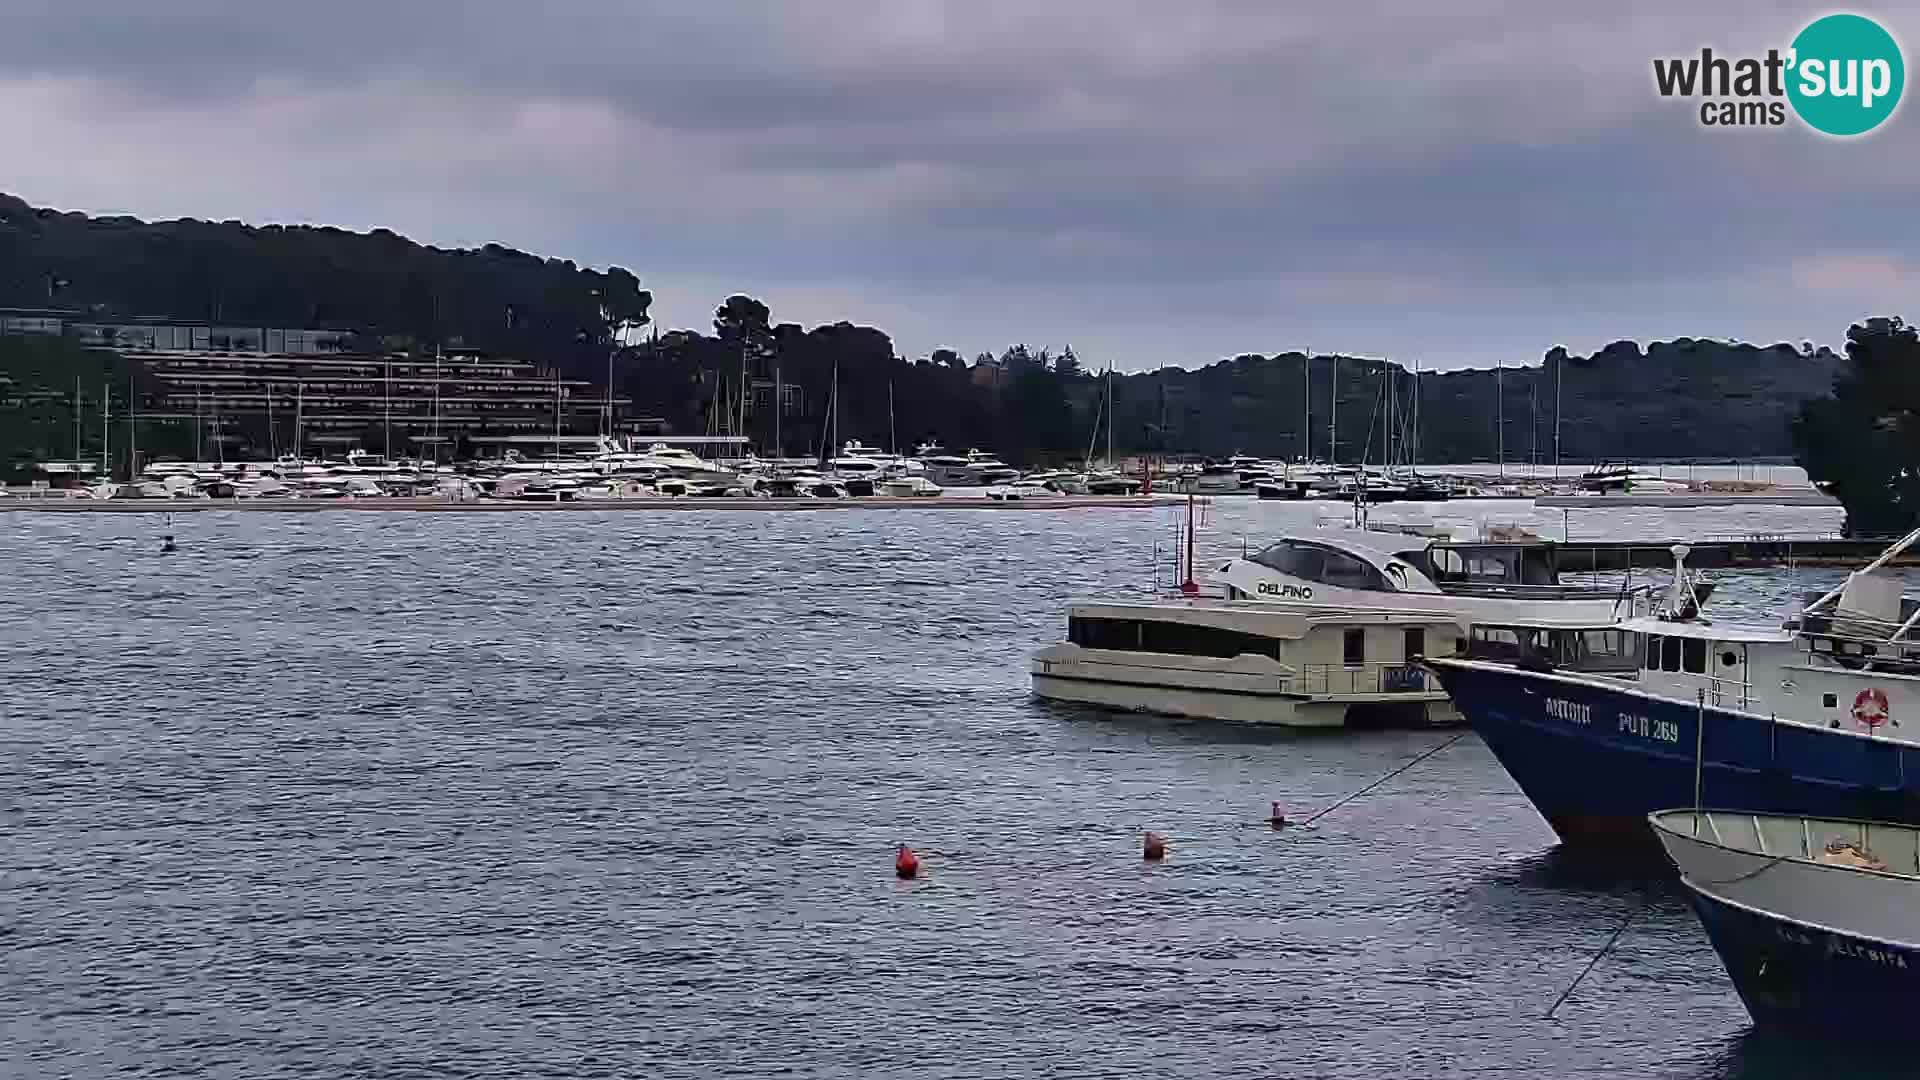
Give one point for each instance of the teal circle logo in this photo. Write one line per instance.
(1846, 75)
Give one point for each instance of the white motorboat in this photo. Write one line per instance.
(909, 487)
(975, 468)
(1482, 582)
(1023, 489)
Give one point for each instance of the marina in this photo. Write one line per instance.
(852, 543)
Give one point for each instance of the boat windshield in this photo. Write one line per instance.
(1491, 564)
(1326, 565)
(1597, 651)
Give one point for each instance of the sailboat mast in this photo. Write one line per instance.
(106, 419)
(1533, 426)
(1306, 426)
(1500, 413)
(779, 406)
(1333, 409)
(893, 439)
(1109, 415)
(76, 421)
(436, 405)
(1386, 439)
(1416, 415)
(299, 418)
(1558, 367)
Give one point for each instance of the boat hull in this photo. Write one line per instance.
(1596, 760)
(1804, 978)
(1280, 491)
(1194, 703)
(1760, 863)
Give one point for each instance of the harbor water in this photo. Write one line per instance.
(610, 795)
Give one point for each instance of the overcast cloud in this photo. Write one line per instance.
(1150, 182)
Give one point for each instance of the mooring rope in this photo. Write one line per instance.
(1317, 815)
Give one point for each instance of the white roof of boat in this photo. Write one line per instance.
(1708, 630)
(1302, 613)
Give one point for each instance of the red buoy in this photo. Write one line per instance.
(1155, 848)
(906, 864)
(1277, 819)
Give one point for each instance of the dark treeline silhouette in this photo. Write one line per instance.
(1684, 398)
(1862, 443)
(298, 276)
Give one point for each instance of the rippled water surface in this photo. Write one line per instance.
(410, 795)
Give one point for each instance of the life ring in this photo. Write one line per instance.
(1870, 708)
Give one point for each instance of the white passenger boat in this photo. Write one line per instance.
(1250, 662)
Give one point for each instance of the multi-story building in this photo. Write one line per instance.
(171, 334)
(277, 403)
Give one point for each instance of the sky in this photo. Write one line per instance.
(1151, 183)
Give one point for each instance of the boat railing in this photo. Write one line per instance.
(1343, 680)
(1722, 691)
(1499, 590)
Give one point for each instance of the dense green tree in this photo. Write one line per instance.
(493, 297)
(1863, 442)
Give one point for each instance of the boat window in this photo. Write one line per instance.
(1696, 656)
(1417, 559)
(1187, 639)
(1653, 652)
(1348, 572)
(1446, 563)
(1536, 567)
(1311, 562)
(1670, 654)
(1486, 568)
(1297, 560)
(1184, 639)
(1416, 642)
(1354, 647)
(1493, 643)
(1596, 650)
(1122, 634)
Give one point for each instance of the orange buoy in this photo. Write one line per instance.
(906, 864)
(1277, 819)
(1155, 848)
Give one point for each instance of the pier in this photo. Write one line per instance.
(1729, 554)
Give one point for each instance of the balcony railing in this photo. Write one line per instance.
(1341, 680)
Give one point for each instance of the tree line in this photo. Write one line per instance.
(793, 389)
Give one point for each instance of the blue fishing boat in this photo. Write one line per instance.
(1817, 921)
(1821, 718)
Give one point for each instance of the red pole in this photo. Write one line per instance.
(1190, 586)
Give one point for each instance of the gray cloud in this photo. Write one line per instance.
(1153, 184)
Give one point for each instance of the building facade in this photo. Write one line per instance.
(267, 404)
